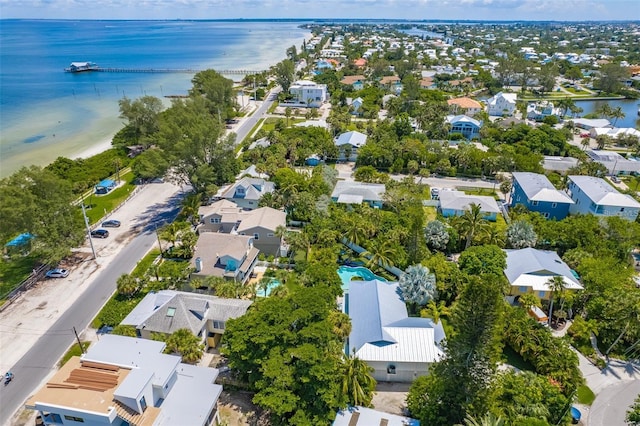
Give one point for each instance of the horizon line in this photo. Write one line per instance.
(329, 20)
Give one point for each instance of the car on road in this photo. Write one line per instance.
(57, 273)
(100, 233)
(585, 135)
(112, 223)
(615, 179)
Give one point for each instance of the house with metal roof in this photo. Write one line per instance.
(358, 193)
(168, 311)
(529, 270)
(502, 104)
(225, 216)
(466, 126)
(348, 144)
(537, 194)
(224, 255)
(595, 196)
(362, 416)
(615, 163)
(456, 203)
(128, 381)
(247, 192)
(397, 347)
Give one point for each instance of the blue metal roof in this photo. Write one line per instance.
(20, 240)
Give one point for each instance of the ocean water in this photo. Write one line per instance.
(46, 113)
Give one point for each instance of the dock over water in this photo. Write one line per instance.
(166, 70)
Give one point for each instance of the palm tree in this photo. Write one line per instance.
(505, 188)
(585, 142)
(487, 420)
(604, 110)
(127, 285)
(190, 205)
(493, 235)
(602, 141)
(172, 232)
(435, 311)
(357, 383)
(471, 223)
(617, 113)
(341, 324)
(183, 342)
(380, 254)
(556, 285)
(565, 104)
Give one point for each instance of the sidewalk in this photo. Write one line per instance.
(31, 315)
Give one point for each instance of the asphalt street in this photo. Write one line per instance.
(36, 365)
(250, 122)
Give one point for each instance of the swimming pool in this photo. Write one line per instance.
(347, 273)
(260, 292)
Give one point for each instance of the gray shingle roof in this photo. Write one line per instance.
(254, 188)
(539, 188)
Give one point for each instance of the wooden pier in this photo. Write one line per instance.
(171, 70)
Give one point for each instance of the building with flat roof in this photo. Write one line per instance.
(362, 416)
(125, 381)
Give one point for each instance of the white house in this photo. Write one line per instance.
(538, 111)
(309, 93)
(128, 381)
(362, 416)
(397, 347)
(502, 104)
(348, 144)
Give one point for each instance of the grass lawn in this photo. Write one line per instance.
(430, 213)
(470, 190)
(253, 130)
(100, 205)
(143, 264)
(270, 123)
(74, 351)
(513, 358)
(13, 272)
(585, 395)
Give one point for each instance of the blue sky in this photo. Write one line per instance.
(574, 10)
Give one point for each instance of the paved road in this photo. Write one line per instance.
(612, 403)
(249, 122)
(41, 359)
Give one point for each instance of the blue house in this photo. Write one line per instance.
(456, 203)
(595, 196)
(537, 194)
(313, 160)
(467, 126)
(105, 186)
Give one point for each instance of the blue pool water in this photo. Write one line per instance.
(347, 273)
(273, 284)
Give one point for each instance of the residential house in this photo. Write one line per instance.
(358, 193)
(502, 104)
(456, 203)
(466, 126)
(615, 163)
(252, 172)
(537, 194)
(309, 94)
(355, 81)
(590, 123)
(427, 83)
(613, 132)
(391, 82)
(355, 105)
(594, 195)
(348, 144)
(362, 416)
(529, 270)
(128, 381)
(360, 63)
(397, 347)
(225, 216)
(247, 192)
(559, 164)
(168, 311)
(464, 105)
(540, 110)
(224, 255)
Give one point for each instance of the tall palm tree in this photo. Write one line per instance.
(357, 383)
(471, 223)
(341, 324)
(565, 104)
(127, 285)
(190, 205)
(487, 420)
(183, 342)
(381, 254)
(604, 110)
(556, 285)
(493, 235)
(585, 142)
(172, 232)
(617, 113)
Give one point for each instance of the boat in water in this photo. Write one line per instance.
(82, 67)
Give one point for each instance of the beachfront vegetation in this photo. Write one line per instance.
(38, 202)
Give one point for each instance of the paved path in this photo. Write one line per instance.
(37, 330)
(248, 123)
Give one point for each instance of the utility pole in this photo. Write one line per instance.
(78, 339)
(86, 222)
(158, 237)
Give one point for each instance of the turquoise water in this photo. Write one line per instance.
(47, 112)
(273, 284)
(347, 273)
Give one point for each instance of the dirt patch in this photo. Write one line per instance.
(391, 397)
(42, 305)
(237, 409)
